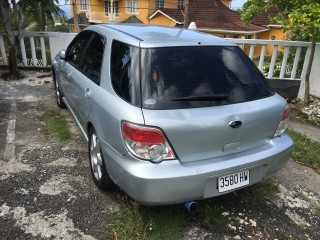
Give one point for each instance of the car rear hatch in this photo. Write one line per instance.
(204, 133)
(210, 101)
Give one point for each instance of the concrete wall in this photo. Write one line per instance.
(315, 74)
(59, 41)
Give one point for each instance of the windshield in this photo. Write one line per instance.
(199, 76)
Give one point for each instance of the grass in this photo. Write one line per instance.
(259, 192)
(305, 151)
(141, 222)
(211, 215)
(170, 222)
(282, 236)
(318, 210)
(57, 125)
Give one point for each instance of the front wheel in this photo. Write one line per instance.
(97, 165)
(60, 102)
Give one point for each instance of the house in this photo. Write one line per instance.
(275, 30)
(214, 16)
(265, 20)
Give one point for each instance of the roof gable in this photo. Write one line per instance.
(176, 15)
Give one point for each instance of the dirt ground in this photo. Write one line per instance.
(46, 191)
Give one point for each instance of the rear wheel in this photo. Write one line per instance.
(97, 165)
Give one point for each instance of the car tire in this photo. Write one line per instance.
(97, 165)
(59, 95)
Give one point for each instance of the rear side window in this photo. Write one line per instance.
(200, 76)
(76, 48)
(125, 71)
(92, 60)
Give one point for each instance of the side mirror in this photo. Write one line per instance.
(62, 54)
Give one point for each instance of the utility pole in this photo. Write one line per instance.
(186, 14)
(112, 10)
(75, 16)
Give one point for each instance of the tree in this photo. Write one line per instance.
(298, 16)
(11, 14)
(12, 17)
(45, 10)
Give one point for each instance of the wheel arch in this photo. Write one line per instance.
(89, 127)
(54, 77)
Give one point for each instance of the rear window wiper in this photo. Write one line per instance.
(254, 89)
(216, 97)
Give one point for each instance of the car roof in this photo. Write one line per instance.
(160, 36)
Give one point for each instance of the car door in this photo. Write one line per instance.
(87, 79)
(70, 68)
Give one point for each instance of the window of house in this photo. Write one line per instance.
(84, 5)
(108, 10)
(132, 6)
(159, 4)
(180, 4)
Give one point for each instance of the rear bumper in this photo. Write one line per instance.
(173, 182)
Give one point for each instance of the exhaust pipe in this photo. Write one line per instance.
(191, 206)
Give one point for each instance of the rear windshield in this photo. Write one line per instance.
(200, 76)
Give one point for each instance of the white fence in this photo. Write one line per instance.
(40, 44)
(42, 47)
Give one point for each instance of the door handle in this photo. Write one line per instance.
(69, 73)
(87, 92)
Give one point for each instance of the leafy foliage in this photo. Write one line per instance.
(298, 16)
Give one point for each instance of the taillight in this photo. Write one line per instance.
(283, 124)
(147, 143)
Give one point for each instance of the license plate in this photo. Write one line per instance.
(233, 181)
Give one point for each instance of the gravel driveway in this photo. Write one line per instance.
(47, 191)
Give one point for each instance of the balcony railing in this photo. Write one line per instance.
(36, 48)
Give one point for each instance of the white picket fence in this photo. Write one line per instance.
(46, 41)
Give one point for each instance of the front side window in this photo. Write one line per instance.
(84, 5)
(125, 71)
(159, 4)
(76, 48)
(132, 6)
(92, 59)
(200, 76)
(110, 9)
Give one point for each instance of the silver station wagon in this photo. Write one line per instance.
(171, 115)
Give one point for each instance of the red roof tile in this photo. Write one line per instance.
(213, 15)
(216, 15)
(263, 19)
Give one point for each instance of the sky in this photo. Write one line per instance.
(237, 3)
(234, 5)
(66, 7)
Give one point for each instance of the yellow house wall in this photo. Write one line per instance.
(227, 3)
(277, 33)
(97, 13)
(160, 19)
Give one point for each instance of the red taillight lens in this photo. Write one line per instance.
(283, 124)
(142, 134)
(286, 112)
(146, 142)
